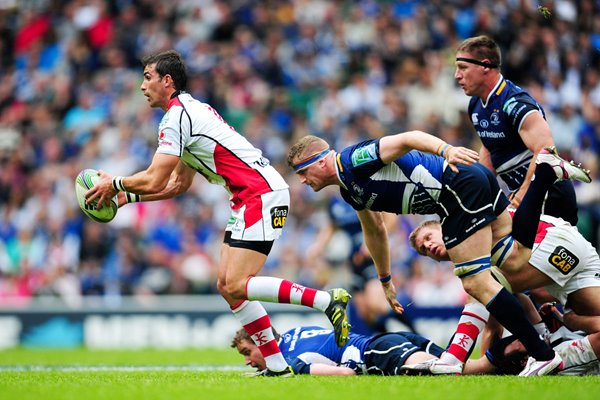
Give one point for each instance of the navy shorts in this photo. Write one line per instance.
(469, 201)
(387, 352)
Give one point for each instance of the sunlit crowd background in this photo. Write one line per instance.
(275, 70)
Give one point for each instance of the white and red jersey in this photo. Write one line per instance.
(196, 133)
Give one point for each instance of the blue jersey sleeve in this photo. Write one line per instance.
(518, 106)
(300, 367)
(363, 158)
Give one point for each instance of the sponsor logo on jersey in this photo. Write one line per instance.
(161, 135)
(563, 260)
(278, 216)
(363, 155)
(491, 135)
(509, 105)
(484, 123)
(475, 118)
(262, 162)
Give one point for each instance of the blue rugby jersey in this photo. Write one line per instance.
(497, 122)
(409, 185)
(305, 345)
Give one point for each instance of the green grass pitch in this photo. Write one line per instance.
(219, 374)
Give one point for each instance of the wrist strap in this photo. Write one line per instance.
(385, 279)
(117, 183)
(132, 197)
(444, 149)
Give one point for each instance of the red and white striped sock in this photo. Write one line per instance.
(254, 319)
(473, 319)
(276, 290)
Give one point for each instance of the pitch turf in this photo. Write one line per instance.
(216, 374)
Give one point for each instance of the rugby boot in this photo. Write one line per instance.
(432, 367)
(564, 170)
(417, 369)
(539, 368)
(336, 312)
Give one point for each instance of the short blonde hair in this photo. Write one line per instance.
(482, 47)
(413, 235)
(305, 148)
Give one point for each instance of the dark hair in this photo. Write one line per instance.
(481, 48)
(169, 63)
(241, 335)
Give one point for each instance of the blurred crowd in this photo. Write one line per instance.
(275, 70)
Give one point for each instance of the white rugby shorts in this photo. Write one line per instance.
(260, 218)
(567, 258)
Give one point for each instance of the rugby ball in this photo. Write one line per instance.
(84, 182)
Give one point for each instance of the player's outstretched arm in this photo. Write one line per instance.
(179, 182)
(153, 182)
(395, 146)
(376, 239)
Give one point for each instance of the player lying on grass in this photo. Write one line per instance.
(312, 350)
(562, 261)
(579, 352)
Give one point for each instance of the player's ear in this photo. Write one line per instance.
(168, 80)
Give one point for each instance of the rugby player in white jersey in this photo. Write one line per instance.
(194, 138)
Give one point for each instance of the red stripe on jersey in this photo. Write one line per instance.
(243, 181)
(284, 291)
(174, 102)
(269, 348)
(542, 231)
(253, 212)
(308, 297)
(258, 325)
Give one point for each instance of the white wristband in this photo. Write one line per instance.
(117, 183)
(132, 197)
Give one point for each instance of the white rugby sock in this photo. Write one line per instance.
(472, 321)
(254, 319)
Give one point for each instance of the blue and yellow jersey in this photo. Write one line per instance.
(497, 121)
(409, 185)
(306, 345)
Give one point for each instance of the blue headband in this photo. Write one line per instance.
(311, 160)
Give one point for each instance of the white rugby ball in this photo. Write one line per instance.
(86, 180)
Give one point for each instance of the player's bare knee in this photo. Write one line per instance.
(233, 289)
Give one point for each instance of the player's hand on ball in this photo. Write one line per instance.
(84, 183)
(103, 190)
